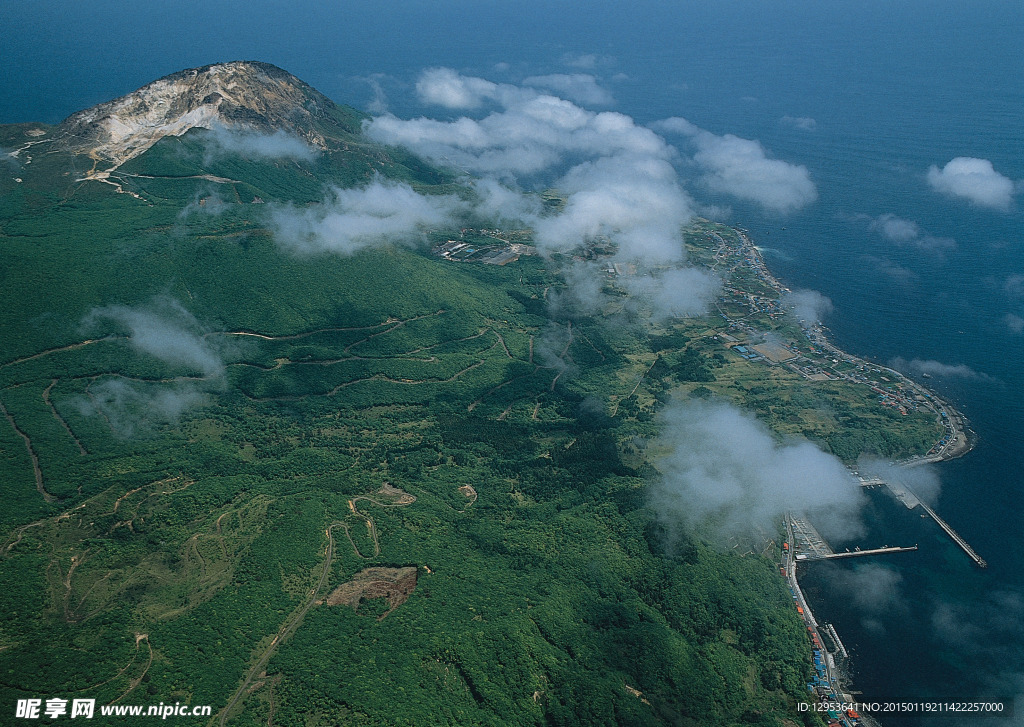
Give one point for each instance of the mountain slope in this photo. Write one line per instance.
(233, 431)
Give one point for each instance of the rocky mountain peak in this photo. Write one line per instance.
(242, 94)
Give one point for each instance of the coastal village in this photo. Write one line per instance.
(815, 358)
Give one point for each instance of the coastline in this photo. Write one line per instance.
(832, 685)
(960, 439)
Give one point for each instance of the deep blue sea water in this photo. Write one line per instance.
(892, 87)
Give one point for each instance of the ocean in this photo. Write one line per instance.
(868, 96)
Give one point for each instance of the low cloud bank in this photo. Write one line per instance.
(551, 347)
(618, 178)
(206, 202)
(725, 475)
(165, 331)
(349, 220)
(906, 232)
(872, 587)
(673, 293)
(986, 629)
(923, 480)
(986, 632)
(1014, 286)
(635, 200)
(889, 269)
(533, 133)
(583, 294)
(135, 407)
(249, 144)
(450, 89)
(937, 368)
(808, 306)
(741, 168)
(975, 180)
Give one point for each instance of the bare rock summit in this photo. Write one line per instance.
(248, 95)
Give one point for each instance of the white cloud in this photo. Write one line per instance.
(448, 88)
(922, 481)
(617, 177)
(895, 228)
(907, 232)
(742, 168)
(586, 60)
(975, 180)
(1014, 285)
(1014, 322)
(808, 305)
(164, 330)
(205, 203)
(674, 293)
(583, 294)
(937, 368)
(724, 474)
(619, 181)
(532, 133)
(988, 625)
(803, 123)
(579, 87)
(352, 219)
(379, 103)
(249, 144)
(635, 200)
(497, 202)
(133, 407)
(167, 332)
(872, 587)
(677, 125)
(582, 60)
(890, 269)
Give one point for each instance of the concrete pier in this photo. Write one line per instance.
(907, 496)
(956, 538)
(870, 551)
(840, 649)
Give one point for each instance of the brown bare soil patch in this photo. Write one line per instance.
(469, 493)
(394, 584)
(398, 496)
(636, 693)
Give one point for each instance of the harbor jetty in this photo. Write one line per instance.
(910, 499)
(978, 560)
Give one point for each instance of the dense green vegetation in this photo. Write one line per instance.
(198, 518)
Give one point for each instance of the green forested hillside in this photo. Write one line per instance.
(226, 432)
